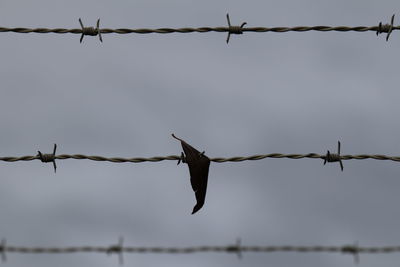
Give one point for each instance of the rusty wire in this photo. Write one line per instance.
(237, 248)
(380, 28)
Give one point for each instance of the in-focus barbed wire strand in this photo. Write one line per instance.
(217, 160)
(381, 28)
(328, 157)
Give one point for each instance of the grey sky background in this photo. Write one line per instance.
(262, 93)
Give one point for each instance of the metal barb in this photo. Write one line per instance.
(49, 157)
(3, 248)
(182, 159)
(388, 28)
(330, 157)
(354, 250)
(90, 30)
(117, 249)
(233, 29)
(236, 248)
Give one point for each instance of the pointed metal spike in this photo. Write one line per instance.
(388, 35)
(239, 248)
(379, 27)
(227, 18)
(120, 255)
(98, 30)
(390, 28)
(229, 25)
(328, 154)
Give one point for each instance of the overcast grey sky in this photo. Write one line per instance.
(262, 93)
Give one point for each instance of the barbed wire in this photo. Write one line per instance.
(91, 31)
(236, 248)
(328, 157)
(218, 160)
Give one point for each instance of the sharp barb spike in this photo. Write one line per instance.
(228, 19)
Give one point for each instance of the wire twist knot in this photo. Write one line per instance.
(49, 157)
(354, 250)
(90, 30)
(233, 29)
(388, 28)
(181, 159)
(117, 249)
(236, 248)
(330, 157)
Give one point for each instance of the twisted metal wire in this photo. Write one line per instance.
(200, 30)
(217, 160)
(355, 250)
(235, 248)
(231, 29)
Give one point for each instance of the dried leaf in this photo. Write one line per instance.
(199, 165)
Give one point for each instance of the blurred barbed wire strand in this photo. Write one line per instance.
(234, 248)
